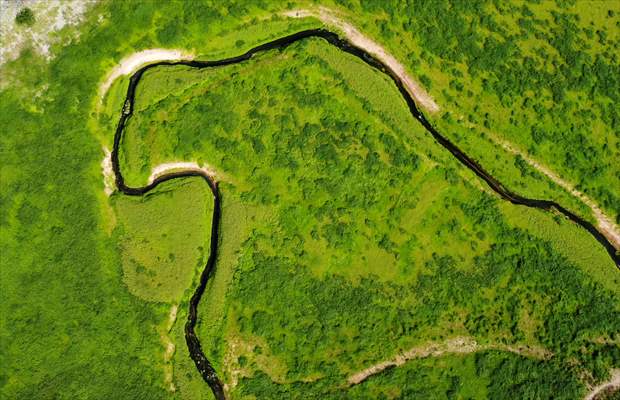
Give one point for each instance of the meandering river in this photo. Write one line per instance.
(202, 363)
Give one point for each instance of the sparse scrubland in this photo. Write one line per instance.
(348, 235)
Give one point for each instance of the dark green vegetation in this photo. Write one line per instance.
(347, 234)
(492, 375)
(25, 17)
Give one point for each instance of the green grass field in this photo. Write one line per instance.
(163, 238)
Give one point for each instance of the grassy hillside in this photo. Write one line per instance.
(163, 238)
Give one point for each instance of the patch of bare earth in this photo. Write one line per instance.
(50, 17)
(273, 366)
(131, 64)
(358, 39)
(234, 369)
(458, 345)
(108, 172)
(165, 168)
(237, 347)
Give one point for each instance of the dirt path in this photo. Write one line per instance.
(458, 345)
(109, 185)
(165, 168)
(131, 63)
(612, 383)
(604, 222)
(328, 17)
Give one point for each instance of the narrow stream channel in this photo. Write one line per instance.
(202, 363)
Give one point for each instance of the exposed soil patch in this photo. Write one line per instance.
(108, 172)
(274, 367)
(166, 168)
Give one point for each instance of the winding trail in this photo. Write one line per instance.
(195, 350)
(605, 224)
(108, 172)
(457, 345)
(613, 383)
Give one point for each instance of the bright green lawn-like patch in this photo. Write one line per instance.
(164, 238)
(351, 235)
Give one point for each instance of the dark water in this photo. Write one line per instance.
(195, 350)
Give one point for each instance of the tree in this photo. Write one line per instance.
(25, 17)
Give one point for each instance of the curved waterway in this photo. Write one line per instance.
(202, 363)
